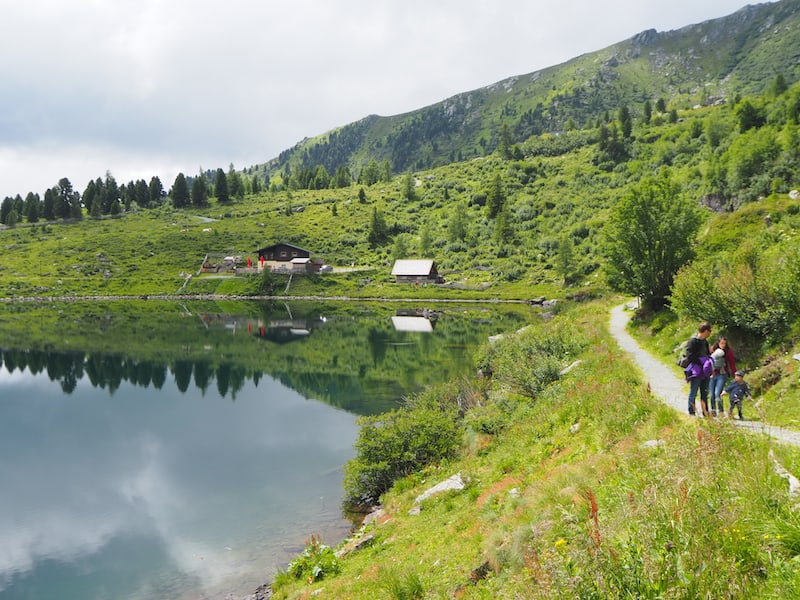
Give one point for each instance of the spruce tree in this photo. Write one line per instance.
(180, 192)
(221, 187)
(495, 197)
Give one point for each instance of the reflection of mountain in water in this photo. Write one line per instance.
(362, 359)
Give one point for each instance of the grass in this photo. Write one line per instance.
(594, 489)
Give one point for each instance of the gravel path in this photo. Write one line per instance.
(669, 386)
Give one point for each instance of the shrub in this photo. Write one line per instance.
(315, 563)
(535, 358)
(751, 290)
(400, 442)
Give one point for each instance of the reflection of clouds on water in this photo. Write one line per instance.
(23, 379)
(206, 480)
(57, 535)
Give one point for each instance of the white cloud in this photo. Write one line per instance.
(153, 87)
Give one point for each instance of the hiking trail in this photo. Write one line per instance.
(671, 387)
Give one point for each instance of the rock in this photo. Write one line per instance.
(794, 483)
(374, 515)
(355, 545)
(566, 370)
(575, 428)
(794, 194)
(451, 483)
(654, 444)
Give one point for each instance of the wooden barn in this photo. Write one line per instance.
(286, 257)
(416, 271)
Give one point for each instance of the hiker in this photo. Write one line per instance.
(700, 367)
(724, 367)
(738, 390)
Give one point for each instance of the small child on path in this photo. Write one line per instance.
(738, 390)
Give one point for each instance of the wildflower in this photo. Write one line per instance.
(560, 542)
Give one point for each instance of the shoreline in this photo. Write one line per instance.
(175, 297)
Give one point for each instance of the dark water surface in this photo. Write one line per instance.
(142, 461)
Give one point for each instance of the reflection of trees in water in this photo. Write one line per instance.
(202, 376)
(376, 338)
(356, 360)
(182, 370)
(109, 371)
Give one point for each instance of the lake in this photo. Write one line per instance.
(177, 450)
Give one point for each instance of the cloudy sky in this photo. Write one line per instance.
(156, 87)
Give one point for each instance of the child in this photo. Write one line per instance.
(738, 390)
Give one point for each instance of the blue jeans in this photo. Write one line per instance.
(715, 386)
(702, 385)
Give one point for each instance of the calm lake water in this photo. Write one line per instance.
(190, 451)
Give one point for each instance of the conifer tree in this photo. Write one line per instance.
(48, 205)
(200, 191)
(378, 231)
(221, 187)
(180, 191)
(495, 197)
(156, 189)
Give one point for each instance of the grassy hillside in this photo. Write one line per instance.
(509, 188)
(699, 64)
(524, 187)
(546, 238)
(588, 488)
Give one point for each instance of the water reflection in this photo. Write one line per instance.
(161, 495)
(363, 359)
(179, 451)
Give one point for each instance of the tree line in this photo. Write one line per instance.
(105, 197)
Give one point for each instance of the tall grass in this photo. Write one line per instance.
(592, 489)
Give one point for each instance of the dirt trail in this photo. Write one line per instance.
(666, 383)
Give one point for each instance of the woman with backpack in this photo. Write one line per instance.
(724, 367)
(698, 353)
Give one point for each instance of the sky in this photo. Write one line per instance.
(138, 88)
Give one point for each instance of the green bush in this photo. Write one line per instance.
(534, 359)
(400, 442)
(315, 563)
(752, 290)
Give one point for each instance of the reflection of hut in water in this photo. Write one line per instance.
(288, 329)
(420, 320)
(222, 321)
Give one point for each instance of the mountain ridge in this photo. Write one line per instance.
(699, 63)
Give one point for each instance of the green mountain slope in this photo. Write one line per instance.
(695, 65)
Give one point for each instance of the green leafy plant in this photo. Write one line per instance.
(315, 563)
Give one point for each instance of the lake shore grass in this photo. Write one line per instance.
(591, 488)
